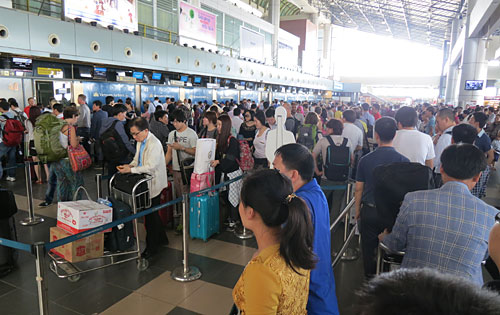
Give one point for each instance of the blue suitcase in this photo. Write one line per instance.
(204, 215)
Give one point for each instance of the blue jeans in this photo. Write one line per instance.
(51, 190)
(10, 152)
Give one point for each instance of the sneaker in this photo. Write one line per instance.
(44, 204)
(11, 179)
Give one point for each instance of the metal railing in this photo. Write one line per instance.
(346, 253)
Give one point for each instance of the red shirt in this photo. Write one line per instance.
(377, 116)
(27, 111)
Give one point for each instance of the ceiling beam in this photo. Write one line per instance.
(406, 18)
(385, 19)
(345, 12)
(366, 18)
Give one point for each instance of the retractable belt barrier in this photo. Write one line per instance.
(72, 238)
(39, 249)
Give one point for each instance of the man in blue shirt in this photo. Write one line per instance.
(98, 117)
(366, 116)
(366, 212)
(446, 229)
(483, 142)
(296, 162)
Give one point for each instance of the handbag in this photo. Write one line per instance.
(201, 181)
(186, 166)
(78, 157)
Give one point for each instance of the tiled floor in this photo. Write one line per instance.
(123, 290)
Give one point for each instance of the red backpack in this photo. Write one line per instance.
(12, 132)
(245, 160)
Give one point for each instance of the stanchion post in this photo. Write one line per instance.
(185, 273)
(31, 219)
(43, 302)
(98, 179)
(350, 253)
(242, 233)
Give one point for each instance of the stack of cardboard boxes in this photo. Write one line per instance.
(74, 217)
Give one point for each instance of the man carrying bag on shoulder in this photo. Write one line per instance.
(181, 148)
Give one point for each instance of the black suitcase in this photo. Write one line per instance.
(8, 256)
(121, 238)
(126, 183)
(8, 201)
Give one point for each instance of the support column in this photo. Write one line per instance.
(274, 13)
(474, 67)
(451, 83)
(327, 35)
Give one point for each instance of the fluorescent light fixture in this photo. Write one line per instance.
(494, 63)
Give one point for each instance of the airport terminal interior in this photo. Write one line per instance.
(228, 87)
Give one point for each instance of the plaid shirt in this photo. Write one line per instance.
(445, 229)
(480, 189)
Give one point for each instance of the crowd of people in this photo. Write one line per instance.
(290, 202)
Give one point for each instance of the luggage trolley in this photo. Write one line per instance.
(387, 259)
(137, 201)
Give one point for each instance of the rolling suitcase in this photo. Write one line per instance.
(121, 238)
(166, 214)
(8, 256)
(204, 215)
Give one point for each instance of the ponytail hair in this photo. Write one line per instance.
(271, 195)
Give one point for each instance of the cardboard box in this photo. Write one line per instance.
(80, 250)
(82, 215)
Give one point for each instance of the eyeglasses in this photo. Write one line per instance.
(135, 134)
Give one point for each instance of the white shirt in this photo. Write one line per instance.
(153, 163)
(259, 144)
(415, 145)
(236, 122)
(354, 134)
(443, 141)
(151, 108)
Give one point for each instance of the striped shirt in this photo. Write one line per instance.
(445, 229)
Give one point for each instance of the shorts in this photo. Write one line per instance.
(32, 150)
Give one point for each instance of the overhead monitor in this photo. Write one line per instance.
(21, 64)
(184, 78)
(197, 80)
(100, 73)
(156, 76)
(474, 85)
(121, 14)
(138, 75)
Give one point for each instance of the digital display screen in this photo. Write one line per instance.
(184, 78)
(100, 72)
(197, 79)
(156, 76)
(120, 13)
(242, 83)
(138, 75)
(474, 85)
(22, 63)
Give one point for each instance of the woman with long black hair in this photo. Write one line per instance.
(226, 165)
(276, 280)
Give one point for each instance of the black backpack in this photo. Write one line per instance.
(338, 160)
(307, 135)
(392, 182)
(112, 145)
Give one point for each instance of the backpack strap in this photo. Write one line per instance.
(344, 142)
(330, 140)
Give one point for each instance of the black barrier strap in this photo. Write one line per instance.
(335, 187)
(16, 245)
(104, 227)
(19, 165)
